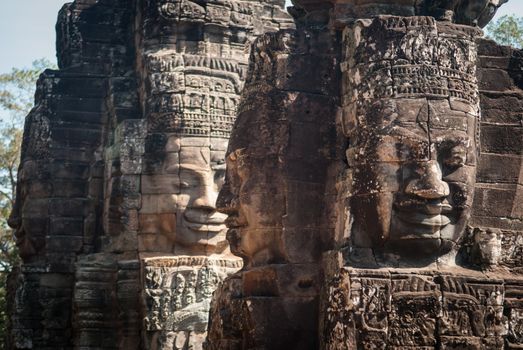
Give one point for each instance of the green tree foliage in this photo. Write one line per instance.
(17, 89)
(16, 100)
(507, 30)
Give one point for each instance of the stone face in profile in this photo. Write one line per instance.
(265, 178)
(254, 229)
(277, 172)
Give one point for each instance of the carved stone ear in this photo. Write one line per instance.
(486, 249)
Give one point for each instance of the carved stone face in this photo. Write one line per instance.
(178, 208)
(413, 171)
(199, 226)
(255, 204)
(29, 216)
(23, 241)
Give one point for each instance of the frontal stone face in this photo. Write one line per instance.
(411, 116)
(424, 261)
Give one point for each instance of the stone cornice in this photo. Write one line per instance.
(468, 12)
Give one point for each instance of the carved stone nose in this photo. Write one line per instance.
(206, 198)
(226, 200)
(430, 184)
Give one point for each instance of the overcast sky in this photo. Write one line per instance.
(27, 29)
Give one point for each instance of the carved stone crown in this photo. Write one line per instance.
(193, 95)
(423, 58)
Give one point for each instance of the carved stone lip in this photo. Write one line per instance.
(424, 219)
(430, 208)
(204, 227)
(233, 222)
(198, 220)
(204, 217)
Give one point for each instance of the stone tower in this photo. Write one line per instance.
(123, 156)
(386, 137)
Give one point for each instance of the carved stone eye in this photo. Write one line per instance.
(455, 157)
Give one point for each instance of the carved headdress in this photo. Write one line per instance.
(431, 60)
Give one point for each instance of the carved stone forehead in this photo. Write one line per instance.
(415, 116)
(430, 115)
(411, 57)
(261, 128)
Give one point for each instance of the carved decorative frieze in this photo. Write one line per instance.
(378, 309)
(177, 295)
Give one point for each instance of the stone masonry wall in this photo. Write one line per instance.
(93, 158)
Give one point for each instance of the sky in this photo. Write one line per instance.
(27, 30)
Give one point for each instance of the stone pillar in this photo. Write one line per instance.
(192, 64)
(278, 162)
(410, 272)
(95, 305)
(52, 215)
(128, 294)
(112, 135)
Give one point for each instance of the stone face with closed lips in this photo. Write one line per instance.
(278, 163)
(201, 175)
(412, 130)
(412, 181)
(254, 228)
